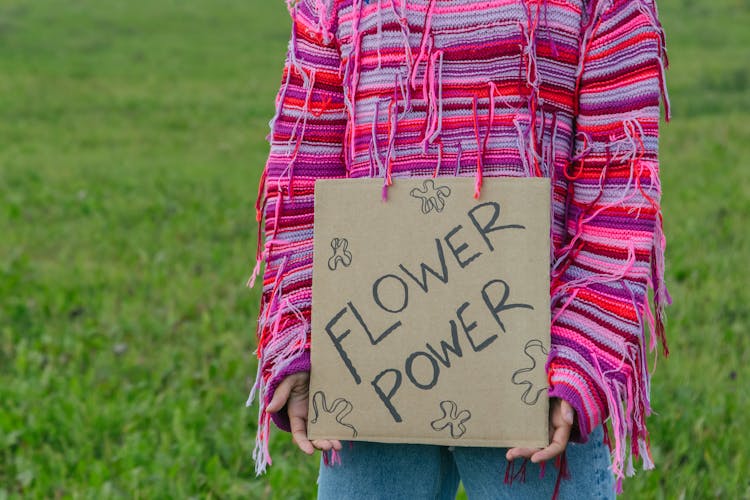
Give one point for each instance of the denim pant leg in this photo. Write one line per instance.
(482, 472)
(375, 471)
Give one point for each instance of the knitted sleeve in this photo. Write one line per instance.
(614, 250)
(306, 143)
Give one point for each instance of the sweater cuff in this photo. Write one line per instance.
(571, 387)
(298, 364)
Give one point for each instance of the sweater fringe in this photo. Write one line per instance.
(626, 387)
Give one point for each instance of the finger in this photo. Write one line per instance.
(514, 453)
(568, 412)
(557, 446)
(327, 444)
(299, 434)
(280, 396)
(322, 444)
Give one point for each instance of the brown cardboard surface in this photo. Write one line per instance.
(431, 311)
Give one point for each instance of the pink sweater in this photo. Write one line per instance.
(565, 89)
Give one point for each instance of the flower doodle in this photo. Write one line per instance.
(431, 196)
(341, 254)
(451, 418)
(338, 410)
(534, 380)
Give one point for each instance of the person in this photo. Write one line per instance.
(570, 90)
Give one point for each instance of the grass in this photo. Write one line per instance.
(132, 136)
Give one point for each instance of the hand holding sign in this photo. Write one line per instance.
(562, 417)
(293, 393)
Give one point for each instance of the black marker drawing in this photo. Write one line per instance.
(341, 254)
(339, 409)
(535, 351)
(451, 418)
(431, 196)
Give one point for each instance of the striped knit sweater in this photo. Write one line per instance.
(566, 89)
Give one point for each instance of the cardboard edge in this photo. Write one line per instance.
(501, 443)
(338, 183)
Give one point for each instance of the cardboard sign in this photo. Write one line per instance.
(431, 311)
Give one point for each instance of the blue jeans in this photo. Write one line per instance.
(415, 471)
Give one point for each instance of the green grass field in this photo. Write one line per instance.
(132, 137)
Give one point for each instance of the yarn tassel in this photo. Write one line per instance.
(422, 45)
(661, 294)
(459, 153)
(439, 159)
(561, 462)
(521, 474)
(512, 475)
(434, 121)
(478, 181)
(509, 466)
(324, 9)
(331, 458)
(392, 129)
